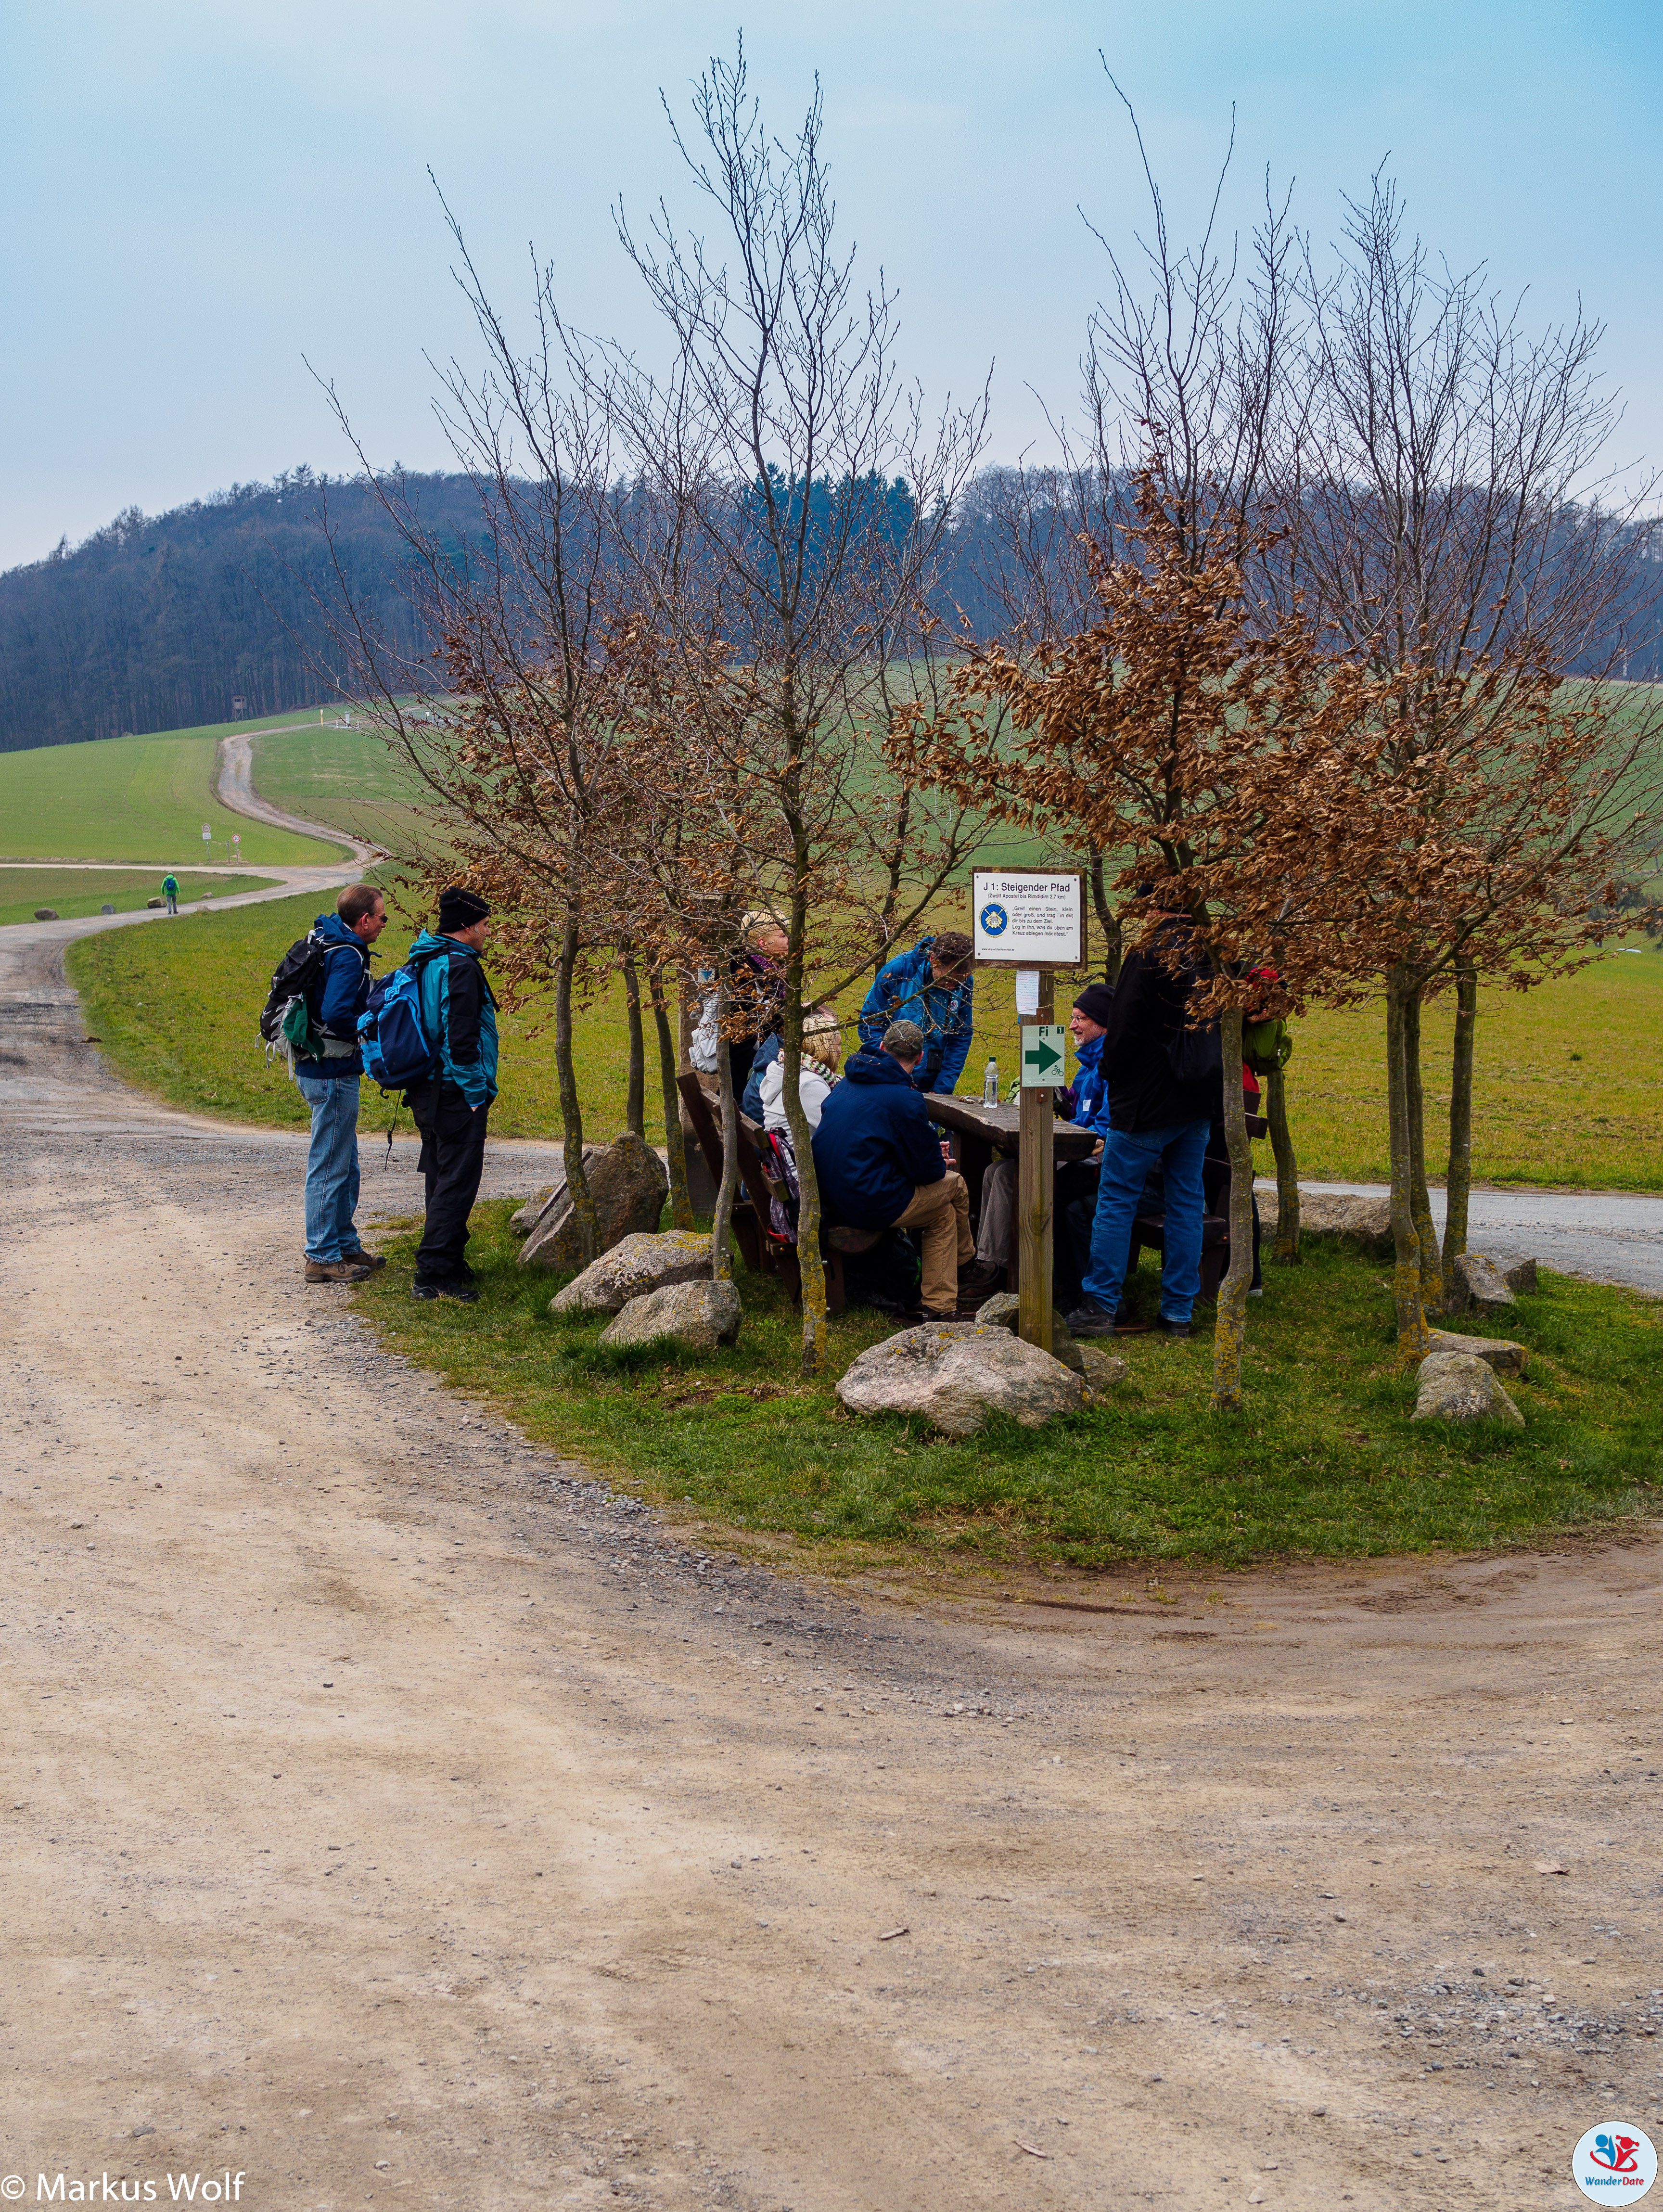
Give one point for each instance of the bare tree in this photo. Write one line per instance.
(792, 498)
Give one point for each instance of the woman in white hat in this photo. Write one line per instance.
(823, 1056)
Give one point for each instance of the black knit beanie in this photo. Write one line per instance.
(1096, 1002)
(459, 909)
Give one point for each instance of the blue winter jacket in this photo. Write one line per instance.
(459, 1014)
(1089, 1110)
(339, 998)
(874, 1147)
(751, 1102)
(945, 1013)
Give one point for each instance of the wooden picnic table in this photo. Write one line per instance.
(979, 1131)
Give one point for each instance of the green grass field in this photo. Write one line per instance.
(1569, 1088)
(1325, 1460)
(134, 799)
(76, 891)
(350, 779)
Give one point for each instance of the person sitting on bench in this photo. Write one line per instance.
(822, 1055)
(879, 1166)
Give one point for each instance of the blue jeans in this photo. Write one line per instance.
(1127, 1160)
(331, 1167)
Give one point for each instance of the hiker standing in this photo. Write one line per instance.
(458, 1018)
(170, 892)
(329, 1085)
(932, 986)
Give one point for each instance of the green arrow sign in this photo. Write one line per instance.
(1043, 1050)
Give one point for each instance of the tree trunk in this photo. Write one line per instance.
(810, 1262)
(570, 1112)
(1286, 1169)
(1460, 1184)
(634, 1104)
(675, 1144)
(1230, 1336)
(1413, 1341)
(1107, 919)
(1420, 1200)
(721, 1228)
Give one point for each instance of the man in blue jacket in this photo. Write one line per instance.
(932, 987)
(450, 1109)
(329, 1087)
(880, 1167)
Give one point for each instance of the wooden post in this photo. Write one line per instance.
(1035, 1184)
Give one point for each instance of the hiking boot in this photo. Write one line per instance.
(980, 1275)
(357, 1257)
(335, 1271)
(463, 1293)
(1172, 1327)
(1091, 1319)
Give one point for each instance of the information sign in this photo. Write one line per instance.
(1043, 1048)
(1028, 917)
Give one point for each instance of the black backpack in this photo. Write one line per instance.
(295, 976)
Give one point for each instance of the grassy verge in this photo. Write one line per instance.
(73, 892)
(1326, 1462)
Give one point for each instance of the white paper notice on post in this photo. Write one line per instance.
(1028, 917)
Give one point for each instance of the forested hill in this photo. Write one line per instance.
(160, 621)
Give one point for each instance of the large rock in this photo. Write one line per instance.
(150, 902)
(700, 1315)
(1003, 1309)
(1480, 1284)
(1522, 1276)
(628, 1185)
(1497, 1351)
(46, 914)
(956, 1373)
(1454, 1386)
(632, 1268)
(1364, 1219)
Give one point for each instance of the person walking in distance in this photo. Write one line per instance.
(450, 1109)
(329, 1084)
(170, 892)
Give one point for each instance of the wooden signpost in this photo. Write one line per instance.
(1033, 920)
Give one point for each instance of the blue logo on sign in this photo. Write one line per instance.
(994, 920)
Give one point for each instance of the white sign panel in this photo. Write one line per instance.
(1028, 917)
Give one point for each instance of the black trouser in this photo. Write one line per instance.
(453, 1160)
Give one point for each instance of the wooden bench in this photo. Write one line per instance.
(765, 1252)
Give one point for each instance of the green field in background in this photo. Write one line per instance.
(73, 892)
(351, 779)
(1568, 1087)
(134, 799)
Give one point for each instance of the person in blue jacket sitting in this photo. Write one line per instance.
(932, 987)
(879, 1167)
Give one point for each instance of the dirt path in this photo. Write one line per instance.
(394, 1815)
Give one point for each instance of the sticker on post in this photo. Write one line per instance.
(1043, 1046)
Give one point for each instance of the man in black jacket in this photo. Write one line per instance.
(1163, 1083)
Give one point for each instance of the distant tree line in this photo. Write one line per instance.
(162, 622)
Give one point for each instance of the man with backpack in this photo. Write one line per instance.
(450, 1107)
(336, 993)
(170, 892)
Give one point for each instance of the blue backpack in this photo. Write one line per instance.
(390, 1033)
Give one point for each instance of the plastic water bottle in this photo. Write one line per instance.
(990, 1083)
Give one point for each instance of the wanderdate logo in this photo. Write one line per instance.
(1614, 2163)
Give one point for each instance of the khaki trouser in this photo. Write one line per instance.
(941, 1211)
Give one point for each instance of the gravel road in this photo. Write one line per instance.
(396, 1814)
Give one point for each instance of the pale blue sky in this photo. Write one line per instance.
(203, 190)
